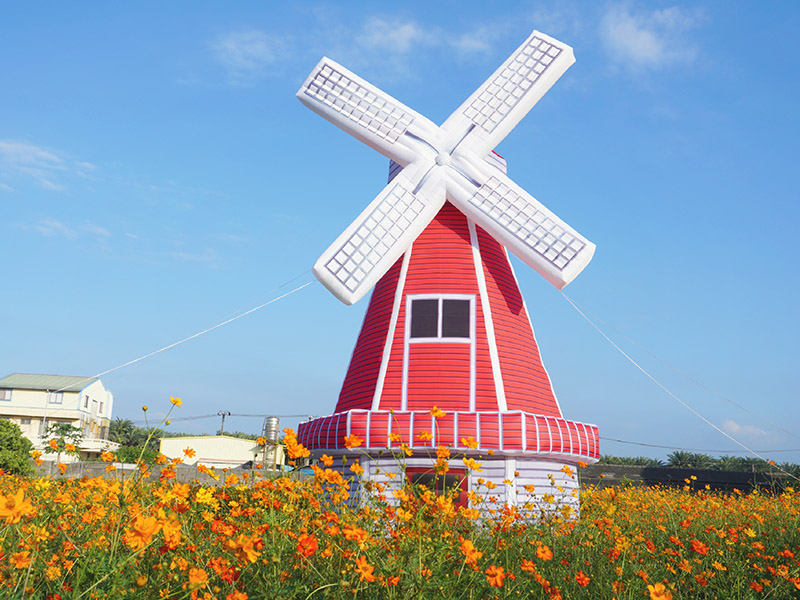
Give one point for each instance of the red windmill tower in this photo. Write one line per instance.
(446, 326)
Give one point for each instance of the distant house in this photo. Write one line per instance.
(220, 451)
(35, 402)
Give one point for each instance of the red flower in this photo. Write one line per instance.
(582, 578)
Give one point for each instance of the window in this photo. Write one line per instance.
(101, 408)
(55, 397)
(441, 484)
(25, 421)
(5, 394)
(86, 402)
(441, 318)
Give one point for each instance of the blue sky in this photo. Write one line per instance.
(157, 175)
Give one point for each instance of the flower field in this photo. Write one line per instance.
(255, 537)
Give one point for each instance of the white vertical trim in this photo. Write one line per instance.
(524, 430)
(411, 430)
(406, 334)
(473, 331)
(549, 432)
(349, 414)
(533, 333)
(455, 429)
(538, 437)
(387, 348)
(500, 429)
(487, 319)
(478, 428)
(511, 490)
(369, 429)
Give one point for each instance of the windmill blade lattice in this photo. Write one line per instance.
(445, 162)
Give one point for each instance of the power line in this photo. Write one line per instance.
(666, 390)
(608, 439)
(686, 375)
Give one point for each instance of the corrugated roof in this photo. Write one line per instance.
(33, 381)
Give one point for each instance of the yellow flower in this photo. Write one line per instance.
(144, 408)
(469, 442)
(659, 592)
(352, 441)
(13, 508)
(437, 412)
(175, 401)
(471, 464)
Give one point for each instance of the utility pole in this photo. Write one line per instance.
(223, 414)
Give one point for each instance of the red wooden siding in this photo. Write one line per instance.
(438, 374)
(502, 431)
(362, 374)
(526, 383)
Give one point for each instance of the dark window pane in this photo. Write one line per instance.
(455, 318)
(436, 483)
(424, 318)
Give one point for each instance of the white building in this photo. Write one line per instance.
(35, 402)
(220, 451)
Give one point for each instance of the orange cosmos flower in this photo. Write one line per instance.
(352, 441)
(442, 452)
(307, 545)
(21, 560)
(659, 592)
(406, 449)
(471, 554)
(471, 464)
(53, 444)
(197, 578)
(357, 469)
(469, 442)
(190, 452)
(244, 546)
(69, 447)
(261, 441)
(495, 576)
(351, 532)
(582, 578)
(528, 565)
(425, 436)
(236, 595)
(14, 507)
(143, 528)
(437, 412)
(62, 467)
(175, 401)
(364, 569)
(326, 460)
(699, 547)
(544, 553)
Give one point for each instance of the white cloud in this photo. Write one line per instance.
(47, 168)
(648, 39)
(745, 431)
(50, 227)
(246, 55)
(393, 35)
(5, 188)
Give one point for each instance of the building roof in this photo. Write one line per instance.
(33, 381)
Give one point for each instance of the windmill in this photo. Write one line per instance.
(446, 325)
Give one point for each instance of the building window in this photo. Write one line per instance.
(441, 318)
(101, 408)
(55, 397)
(86, 402)
(5, 394)
(455, 479)
(24, 421)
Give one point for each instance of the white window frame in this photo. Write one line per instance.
(5, 394)
(55, 397)
(408, 340)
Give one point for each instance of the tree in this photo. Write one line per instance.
(62, 438)
(122, 431)
(680, 459)
(15, 449)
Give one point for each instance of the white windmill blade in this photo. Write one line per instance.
(379, 236)
(526, 227)
(496, 107)
(363, 110)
